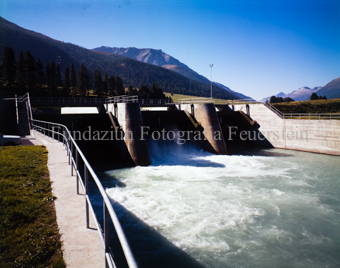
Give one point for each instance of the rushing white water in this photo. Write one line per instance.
(281, 210)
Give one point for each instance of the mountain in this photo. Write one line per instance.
(132, 72)
(239, 95)
(162, 59)
(331, 90)
(155, 57)
(300, 94)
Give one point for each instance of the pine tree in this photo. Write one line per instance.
(83, 80)
(59, 80)
(73, 79)
(111, 85)
(156, 92)
(30, 74)
(20, 70)
(98, 83)
(314, 96)
(66, 86)
(40, 72)
(51, 78)
(8, 65)
(119, 86)
(105, 86)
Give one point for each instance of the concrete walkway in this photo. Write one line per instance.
(82, 247)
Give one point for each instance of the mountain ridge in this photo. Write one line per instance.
(132, 72)
(159, 58)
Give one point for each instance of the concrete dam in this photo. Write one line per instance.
(122, 131)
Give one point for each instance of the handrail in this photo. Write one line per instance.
(155, 101)
(306, 116)
(195, 100)
(274, 109)
(122, 98)
(74, 152)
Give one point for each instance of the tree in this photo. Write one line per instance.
(83, 81)
(273, 99)
(51, 78)
(314, 96)
(105, 87)
(111, 85)
(156, 92)
(119, 86)
(59, 80)
(73, 79)
(40, 72)
(144, 92)
(98, 83)
(30, 76)
(288, 99)
(20, 70)
(8, 65)
(66, 86)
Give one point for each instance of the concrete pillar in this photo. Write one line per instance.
(206, 115)
(130, 119)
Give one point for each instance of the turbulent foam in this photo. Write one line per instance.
(231, 210)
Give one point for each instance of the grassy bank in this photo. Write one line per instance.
(29, 235)
(178, 97)
(315, 106)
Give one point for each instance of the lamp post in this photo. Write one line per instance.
(211, 65)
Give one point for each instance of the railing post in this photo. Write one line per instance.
(71, 158)
(86, 178)
(76, 168)
(106, 231)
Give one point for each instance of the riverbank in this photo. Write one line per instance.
(82, 247)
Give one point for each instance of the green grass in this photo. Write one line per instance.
(178, 97)
(29, 235)
(315, 106)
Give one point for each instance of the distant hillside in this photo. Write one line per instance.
(132, 72)
(300, 94)
(331, 90)
(159, 58)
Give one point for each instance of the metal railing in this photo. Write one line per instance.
(305, 116)
(313, 116)
(77, 160)
(155, 101)
(122, 99)
(67, 101)
(195, 100)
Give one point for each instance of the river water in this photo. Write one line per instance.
(276, 208)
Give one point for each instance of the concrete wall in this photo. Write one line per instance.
(206, 115)
(319, 136)
(130, 119)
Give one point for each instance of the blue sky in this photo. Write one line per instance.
(258, 47)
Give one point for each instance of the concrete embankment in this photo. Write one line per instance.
(82, 247)
(318, 136)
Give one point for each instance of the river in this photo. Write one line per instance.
(274, 208)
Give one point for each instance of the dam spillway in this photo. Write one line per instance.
(239, 126)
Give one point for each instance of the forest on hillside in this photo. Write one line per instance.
(27, 74)
(132, 73)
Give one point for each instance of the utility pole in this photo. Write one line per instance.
(211, 65)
